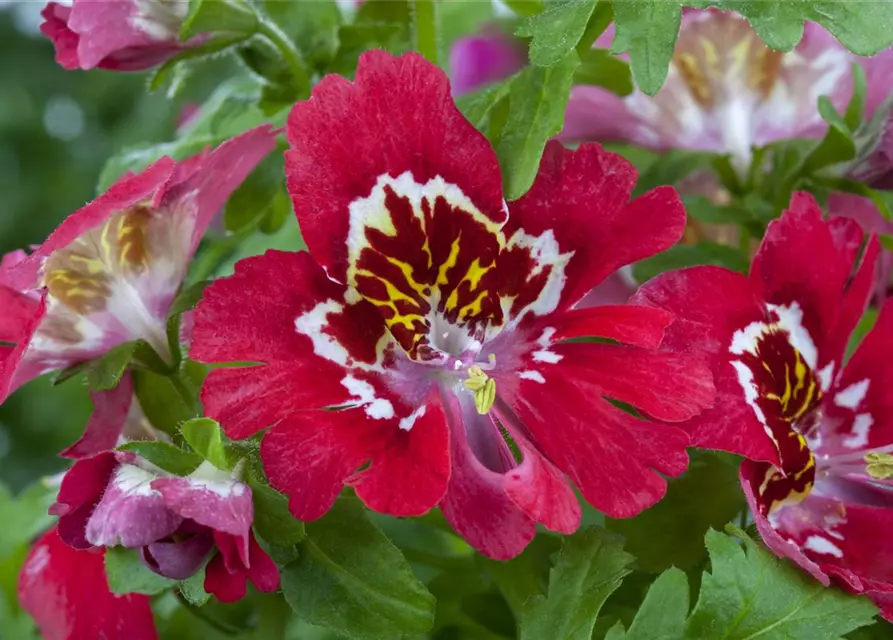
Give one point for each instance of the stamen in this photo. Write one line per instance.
(879, 465)
(484, 388)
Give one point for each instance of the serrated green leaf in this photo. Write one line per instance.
(167, 71)
(350, 579)
(598, 67)
(689, 255)
(526, 575)
(663, 612)
(127, 573)
(206, 439)
(105, 373)
(707, 495)
(165, 455)
(647, 29)
(313, 26)
(257, 196)
(537, 98)
(753, 594)
(161, 401)
(272, 519)
(588, 569)
(556, 31)
(214, 16)
(865, 28)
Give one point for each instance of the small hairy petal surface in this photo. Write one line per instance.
(106, 423)
(67, 594)
(709, 305)
(614, 458)
(397, 116)
(582, 197)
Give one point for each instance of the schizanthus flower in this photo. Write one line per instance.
(818, 433)
(110, 272)
(122, 35)
(421, 352)
(119, 499)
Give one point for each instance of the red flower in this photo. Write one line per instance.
(818, 434)
(122, 35)
(67, 594)
(110, 272)
(430, 323)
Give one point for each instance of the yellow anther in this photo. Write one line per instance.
(484, 388)
(879, 465)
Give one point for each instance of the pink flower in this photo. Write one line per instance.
(428, 326)
(478, 60)
(67, 594)
(122, 35)
(119, 499)
(109, 273)
(817, 432)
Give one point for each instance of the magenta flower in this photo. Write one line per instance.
(428, 327)
(111, 271)
(122, 35)
(67, 594)
(816, 431)
(119, 499)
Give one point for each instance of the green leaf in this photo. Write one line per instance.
(209, 16)
(313, 26)
(866, 322)
(856, 106)
(526, 575)
(688, 255)
(537, 99)
(272, 519)
(663, 612)
(105, 373)
(167, 456)
(648, 30)
(127, 573)
(160, 400)
(169, 70)
(556, 31)
(707, 495)
(188, 297)
(193, 589)
(206, 439)
(754, 594)
(425, 28)
(865, 28)
(353, 581)
(588, 569)
(25, 516)
(259, 196)
(837, 145)
(600, 68)
(672, 167)
(478, 105)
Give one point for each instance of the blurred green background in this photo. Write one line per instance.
(57, 128)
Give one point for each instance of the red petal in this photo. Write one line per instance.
(223, 585)
(667, 386)
(67, 594)
(612, 457)
(630, 324)
(81, 489)
(582, 197)
(106, 423)
(263, 572)
(397, 116)
(55, 27)
(710, 304)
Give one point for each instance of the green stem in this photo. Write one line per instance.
(424, 28)
(271, 31)
(217, 625)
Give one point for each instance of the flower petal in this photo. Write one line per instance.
(710, 304)
(581, 197)
(614, 458)
(67, 594)
(480, 59)
(223, 585)
(106, 423)
(263, 572)
(178, 559)
(55, 27)
(80, 491)
(629, 324)
(131, 513)
(396, 117)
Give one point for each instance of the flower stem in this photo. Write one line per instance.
(425, 36)
(271, 31)
(217, 625)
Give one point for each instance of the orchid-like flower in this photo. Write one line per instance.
(423, 351)
(121, 35)
(817, 432)
(67, 593)
(111, 271)
(177, 523)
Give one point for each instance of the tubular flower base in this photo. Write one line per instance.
(420, 352)
(817, 434)
(111, 271)
(121, 35)
(67, 594)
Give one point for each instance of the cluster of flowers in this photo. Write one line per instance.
(430, 349)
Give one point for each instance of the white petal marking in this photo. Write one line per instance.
(859, 436)
(852, 396)
(409, 421)
(364, 395)
(818, 544)
(536, 376)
